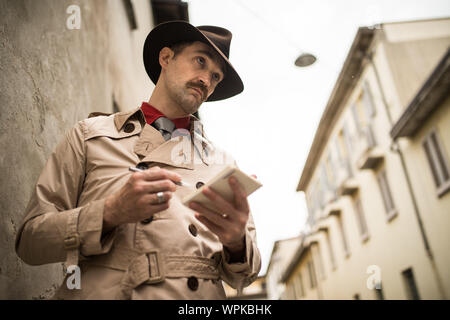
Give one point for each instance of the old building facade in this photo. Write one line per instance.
(377, 176)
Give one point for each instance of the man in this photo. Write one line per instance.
(129, 233)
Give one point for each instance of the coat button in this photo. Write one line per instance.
(192, 283)
(199, 185)
(147, 221)
(193, 229)
(142, 166)
(129, 127)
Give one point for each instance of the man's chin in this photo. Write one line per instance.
(191, 107)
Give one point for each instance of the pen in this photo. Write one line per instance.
(181, 183)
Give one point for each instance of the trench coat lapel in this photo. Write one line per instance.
(174, 152)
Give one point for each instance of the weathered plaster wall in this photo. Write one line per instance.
(51, 77)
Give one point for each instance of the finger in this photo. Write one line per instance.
(212, 216)
(219, 202)
(214, 228)
(154, 208)
(240, 197)
(157, 173)
(153, 198)
(156, 186)
(254, 176)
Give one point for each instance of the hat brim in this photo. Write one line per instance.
(169, 33)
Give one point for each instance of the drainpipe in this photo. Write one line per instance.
(395, 146)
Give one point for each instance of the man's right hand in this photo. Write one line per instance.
(137, 200)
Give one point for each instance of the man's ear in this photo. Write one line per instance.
(165, 55)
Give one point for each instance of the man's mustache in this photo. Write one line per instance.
(199, 86)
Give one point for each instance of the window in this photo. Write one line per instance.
(370, 136)
(338, 151)
(386, 194)
(342, 153)
(315, 249)
(438, 162)
(331, 251)
(356, 117)
(410, 285)
(363, 110)
(311, 209)
(343, 235)
(328, 191)
(314, 201)
(290, 292)
(330, 167)
(321, 191)
(347, 140)
(367, 100)
(363, 230)
(298, 285)
(312, 275)
(324, 183)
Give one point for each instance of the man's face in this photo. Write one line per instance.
(192, 75)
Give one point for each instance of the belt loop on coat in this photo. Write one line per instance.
(72, 239)
(155, 267)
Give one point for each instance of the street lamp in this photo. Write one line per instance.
(305, 60)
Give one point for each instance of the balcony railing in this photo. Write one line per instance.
(368, 154)
(346, 185)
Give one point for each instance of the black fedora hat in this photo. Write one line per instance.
(169, 33)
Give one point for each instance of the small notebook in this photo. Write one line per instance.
(221, 185)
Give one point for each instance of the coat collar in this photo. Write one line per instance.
(196, 128)
(121, 118)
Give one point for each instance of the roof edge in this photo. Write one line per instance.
(434, 90)
(347, 79)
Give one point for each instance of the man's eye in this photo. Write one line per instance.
(200, 60)
(216, 77)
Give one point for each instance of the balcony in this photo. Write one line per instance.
(369, 154)
(331, 209)
(346, 184)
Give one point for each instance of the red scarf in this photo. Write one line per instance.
(151, 114)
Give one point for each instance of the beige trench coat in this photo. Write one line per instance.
(171, 257)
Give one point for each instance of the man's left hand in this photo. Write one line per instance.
(231, 229)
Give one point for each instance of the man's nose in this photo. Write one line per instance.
(204, 80)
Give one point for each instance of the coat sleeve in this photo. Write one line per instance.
(54, 226)
(241, 274)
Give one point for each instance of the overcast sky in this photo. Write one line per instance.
(270, 126)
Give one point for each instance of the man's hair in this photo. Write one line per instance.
(178, 47)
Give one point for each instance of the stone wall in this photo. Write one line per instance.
(52, 77)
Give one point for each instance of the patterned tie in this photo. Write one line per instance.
(165, 126)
